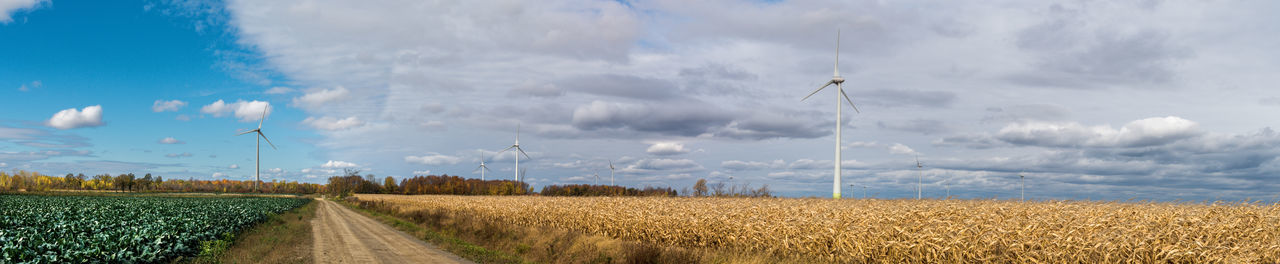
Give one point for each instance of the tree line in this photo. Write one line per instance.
(21, 180)
(351, 183)
(603, 190)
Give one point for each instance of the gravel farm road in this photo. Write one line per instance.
(344, 236)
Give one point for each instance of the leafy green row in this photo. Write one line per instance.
(113, 229)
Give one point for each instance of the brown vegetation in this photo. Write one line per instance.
(892, 231)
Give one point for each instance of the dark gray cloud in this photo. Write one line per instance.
(922, 126)
(622, 86)
(901, 98)
(767, 125)
(690, 118)
(535, 90)
(1025, 112)
(717, 79)
(1073, 53)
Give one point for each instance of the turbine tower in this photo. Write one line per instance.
(258, 148)
(482, 167)
(519, 151)
(838, 81)
(597, 176)
(1024, 186)
(919, 178)
(611, 168)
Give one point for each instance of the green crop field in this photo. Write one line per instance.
(78, 229)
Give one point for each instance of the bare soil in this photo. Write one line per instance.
(344, 236)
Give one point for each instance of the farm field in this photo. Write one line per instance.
(896, 231)
(141, 229)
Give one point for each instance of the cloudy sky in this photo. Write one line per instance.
(1162, 100)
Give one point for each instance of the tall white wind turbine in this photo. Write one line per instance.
(838, 81)
(611, 168)
(519, 151)
(597, 176)
(482, 167)
(258, 148)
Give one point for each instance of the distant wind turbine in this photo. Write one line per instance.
(611, 168)
(257, 170)
(519, 151)
(597, 176)
(1024, 186)
(919, 178)
(482, 168)
(838, 81)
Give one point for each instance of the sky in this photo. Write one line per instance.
(1103, 100)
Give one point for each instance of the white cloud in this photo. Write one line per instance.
(666, 149)
(219, 175)
(332, 124)
(1139, 133)
(274, 170)
(279, 90)
(28, 87)
(247, 111)
(434, 159)
(318, 98)
(899, 148)
(178, 155)
(171, 140)
(422, 172)
(7, 7)
(171, 105)
(91, 116)
(739, 165)
(182, 118)
(332, 164)
(234, 166)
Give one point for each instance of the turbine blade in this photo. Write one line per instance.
(505, 150)
(526, 155)
(487, 168)
(837, 52)
(846, 98)
(264, 117)
(247, 132)
(264, 137)
(824, 86)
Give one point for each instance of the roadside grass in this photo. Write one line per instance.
(283, 238)
(487, 242)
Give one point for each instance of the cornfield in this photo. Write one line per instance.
(896, 231)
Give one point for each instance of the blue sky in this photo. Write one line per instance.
(124, 57)
(1148, 100)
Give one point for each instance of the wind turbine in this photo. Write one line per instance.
(919, 178)
(482, 168)
(519, 151)
(838, 81)
(611, 168)
(1024, 186)
(258, 147)
(597, 176)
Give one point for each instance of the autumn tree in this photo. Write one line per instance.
(700, 188)
(389, 185)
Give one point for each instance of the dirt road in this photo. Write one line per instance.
(344, 236)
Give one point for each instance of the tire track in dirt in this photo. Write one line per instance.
(344, 236)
